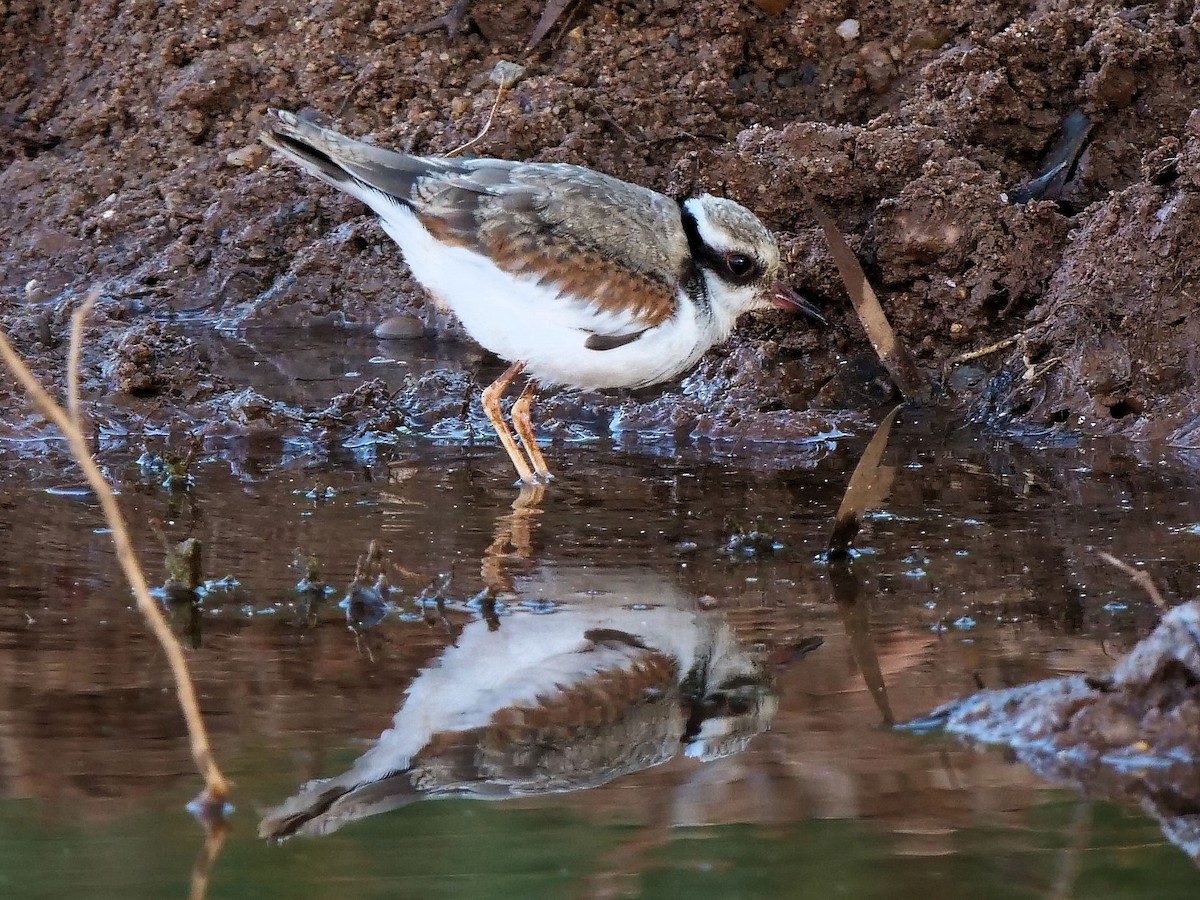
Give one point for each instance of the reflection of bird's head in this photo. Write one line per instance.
(734, 700)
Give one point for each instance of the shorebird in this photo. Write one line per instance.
(575, 278)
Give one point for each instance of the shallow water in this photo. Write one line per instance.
(979, 567)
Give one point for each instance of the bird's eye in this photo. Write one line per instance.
(739, 265)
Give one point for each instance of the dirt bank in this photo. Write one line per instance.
(127, 155)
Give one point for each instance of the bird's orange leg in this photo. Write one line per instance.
(491, 406)
(522, 413)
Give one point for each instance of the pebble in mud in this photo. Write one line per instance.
(400, 328)
(505, 74)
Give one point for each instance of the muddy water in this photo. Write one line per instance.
(979, 567)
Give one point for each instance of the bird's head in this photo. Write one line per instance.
(738, 258)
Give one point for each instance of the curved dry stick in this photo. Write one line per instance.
(1141, 578)
(887, 345)
(868, 483)
(487, 126)
(74, 354)
(216, 787)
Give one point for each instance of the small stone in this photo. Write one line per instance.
(848, 30)
(505, 74)
(400, 328)
(35, 292)
(247, 157)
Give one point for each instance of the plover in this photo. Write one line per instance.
(576, 278)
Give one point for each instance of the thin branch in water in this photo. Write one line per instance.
(75, 353)
(1140, 578)
(869, 483)
(216, 787)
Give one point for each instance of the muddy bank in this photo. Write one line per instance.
(1130, 734)
(128, 156)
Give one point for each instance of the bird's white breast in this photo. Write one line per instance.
(520, 318)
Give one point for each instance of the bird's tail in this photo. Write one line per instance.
(352, 166)
(325, 806)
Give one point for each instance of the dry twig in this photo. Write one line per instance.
(550, 14)
(486, 126)
(983, 351)
(216, 787)
(891, 352)
(1140, 578)
(869, 484)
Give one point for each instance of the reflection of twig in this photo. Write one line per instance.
(486, 125)
(216, 832)
(1070, 860)
(855, 611)
(216, 787)
(868, 485)
(1140, 578)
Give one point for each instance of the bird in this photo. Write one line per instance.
(574, 277)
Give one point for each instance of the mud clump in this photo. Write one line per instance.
(128, 156)
(1132, 733)
(149, 360)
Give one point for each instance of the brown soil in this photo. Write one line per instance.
(128, 155)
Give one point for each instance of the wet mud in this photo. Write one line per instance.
(128, 158)
(1131, 733)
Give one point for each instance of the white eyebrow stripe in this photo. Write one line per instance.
(714, 237)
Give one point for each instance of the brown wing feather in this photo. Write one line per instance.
(585, 233)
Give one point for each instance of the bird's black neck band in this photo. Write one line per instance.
(700, 256)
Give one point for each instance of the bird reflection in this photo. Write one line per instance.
(626, 673)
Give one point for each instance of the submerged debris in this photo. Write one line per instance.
(754, 541)
(310, 574)
(184, 566)
(366, 602)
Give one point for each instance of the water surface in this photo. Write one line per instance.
(979, 568)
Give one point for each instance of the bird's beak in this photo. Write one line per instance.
(784, 297)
